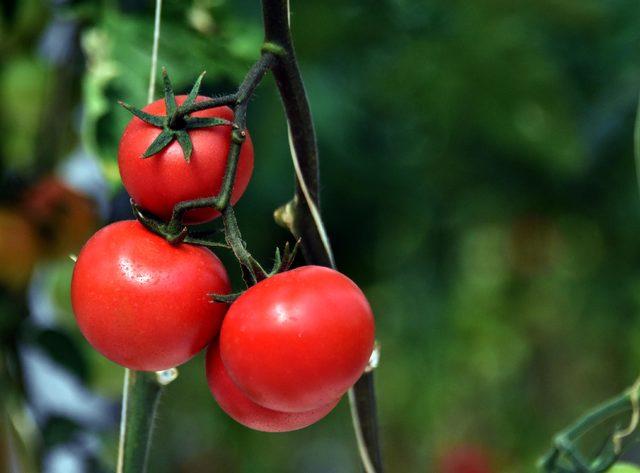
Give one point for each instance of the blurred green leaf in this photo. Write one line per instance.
(59, 430)
(63, 349)
(624, 468)
(23, 90)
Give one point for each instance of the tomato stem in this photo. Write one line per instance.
(175, 231)
(206, 104)
(142, 392)
(238, 135)
(252, 271)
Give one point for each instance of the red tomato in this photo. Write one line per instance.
(298, 340)
(160, 181)
(235, 403)
(143, 302)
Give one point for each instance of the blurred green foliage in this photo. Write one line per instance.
(477, 181)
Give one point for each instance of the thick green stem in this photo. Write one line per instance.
(234, 239)
(305, 221)
(139, 403)
(183, 110)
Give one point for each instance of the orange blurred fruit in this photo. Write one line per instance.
(19, 249)
(64, 218)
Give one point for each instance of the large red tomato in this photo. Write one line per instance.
(236, 403)
(160, 181)
(143, 302)
(298, 340)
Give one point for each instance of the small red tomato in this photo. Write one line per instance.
(143, 302)
(238, 406)
(298, 340)
(160, 181)
(465, 459)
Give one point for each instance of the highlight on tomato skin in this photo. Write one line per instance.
(159, 182)
(243, 410)
(144, 303)
(298, 340)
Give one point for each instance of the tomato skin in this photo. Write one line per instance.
(160, 181)
(243, 410)
(298, 340)
(144, 303)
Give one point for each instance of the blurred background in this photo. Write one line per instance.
(477, 181)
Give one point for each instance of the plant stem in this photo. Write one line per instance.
(206, 104)
(238, 135)
(139, 403)
(304, 223)
(565, 454)
(233, 236)
(251, 270)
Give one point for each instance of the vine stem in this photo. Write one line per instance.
(565, 449)
(302, 215)
(140, 400)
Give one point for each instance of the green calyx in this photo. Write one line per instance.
(177, 122)
(282, 263)
(174, 232)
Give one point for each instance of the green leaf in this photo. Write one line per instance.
(62, 349)
(199, 122)
(169, 97)
(155, 120)
(185, 143)
(159, 143)
(290, 254)
(59, 430)
(277, 262)
(191, 98)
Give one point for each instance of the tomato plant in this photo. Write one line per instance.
(143, 302)
(295, 341)
(298, 340)
(242, 409)
(159, 181)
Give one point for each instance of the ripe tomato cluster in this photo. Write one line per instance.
(280, 356)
